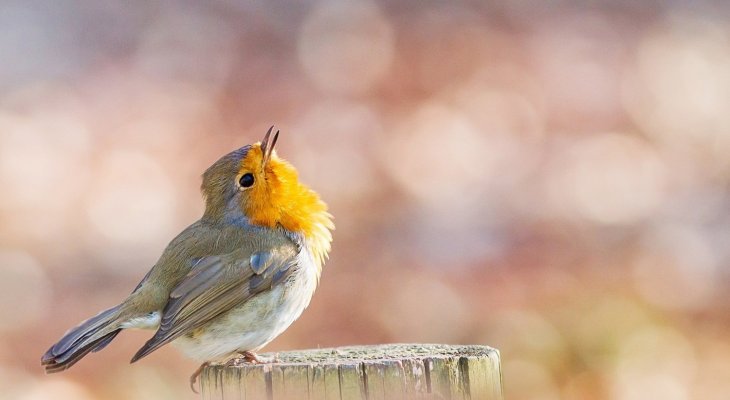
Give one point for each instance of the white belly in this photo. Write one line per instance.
(254, 324)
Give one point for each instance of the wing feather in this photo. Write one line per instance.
(215, 285)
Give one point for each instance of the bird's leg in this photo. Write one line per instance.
(253, 358)
(196, 374)
(250, 357)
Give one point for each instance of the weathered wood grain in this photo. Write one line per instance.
(382, 372)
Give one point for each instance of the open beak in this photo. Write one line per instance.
(267, 148)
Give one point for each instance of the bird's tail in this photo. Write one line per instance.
(91, 335)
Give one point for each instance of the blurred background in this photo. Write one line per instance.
(551, 180)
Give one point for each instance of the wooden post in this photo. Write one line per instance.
(393, 371)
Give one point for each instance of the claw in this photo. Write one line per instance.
(252, 358)
(195, 375)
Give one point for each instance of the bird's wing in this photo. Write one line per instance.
(215, 285)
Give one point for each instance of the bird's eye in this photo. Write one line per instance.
(246, 180)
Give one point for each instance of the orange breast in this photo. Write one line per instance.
(278, 198)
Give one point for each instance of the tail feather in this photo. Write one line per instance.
(108, 339)
(84, 330)
(91, 335)
(72, 357)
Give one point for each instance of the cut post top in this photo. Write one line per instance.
(391, 371)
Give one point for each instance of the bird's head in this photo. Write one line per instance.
(254, 183)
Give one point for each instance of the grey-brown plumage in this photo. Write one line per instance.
(224, 285)
(209, 278)
(217, 283)
(80, 341)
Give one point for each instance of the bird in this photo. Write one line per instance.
(231, 282)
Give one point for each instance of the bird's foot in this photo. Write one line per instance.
(249, 357)
(196, 374)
